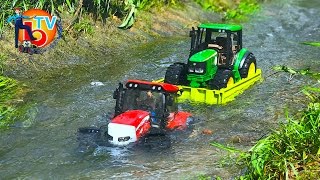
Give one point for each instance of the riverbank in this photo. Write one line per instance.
(105, 39)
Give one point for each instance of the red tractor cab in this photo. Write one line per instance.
(142, 106)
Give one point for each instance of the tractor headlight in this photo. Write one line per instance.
(191, 70)
(199, 70)
(121, 139)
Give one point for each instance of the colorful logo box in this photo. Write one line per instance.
(43, 27)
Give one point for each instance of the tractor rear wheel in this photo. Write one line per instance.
(249, 66)
(176, 74)
(222, 79)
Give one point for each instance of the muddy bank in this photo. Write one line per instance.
(107, 39)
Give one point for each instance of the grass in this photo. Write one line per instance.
(232, 9)
(8, 91)
(289, 152)
(96, 9)
(292, 151)
(312, 43)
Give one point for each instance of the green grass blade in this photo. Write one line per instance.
(221, 146)
(311, 43)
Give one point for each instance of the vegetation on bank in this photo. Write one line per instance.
(8, 91)
(292, 151)
(124, 9)
(232, 9)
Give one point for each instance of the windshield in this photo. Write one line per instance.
(143, 100)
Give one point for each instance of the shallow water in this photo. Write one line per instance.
(44, 145)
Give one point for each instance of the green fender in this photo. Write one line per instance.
(240, 56)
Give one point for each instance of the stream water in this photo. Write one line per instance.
(44, 145)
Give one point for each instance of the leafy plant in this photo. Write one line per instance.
(234, 9)
(312, 43)
(244, 8)
(8, 90)
(84, 26)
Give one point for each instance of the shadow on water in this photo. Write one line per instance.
(67, 99)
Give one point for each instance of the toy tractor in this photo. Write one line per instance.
(142, 108)
(217, 59)
(135, 114)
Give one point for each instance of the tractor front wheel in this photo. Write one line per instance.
(176, 74)
(21, 48)
(30, 51)
(249, 66)
(222, 79)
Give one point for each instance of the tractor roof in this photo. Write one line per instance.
(227, 27)
(203, 55)
(153, 86)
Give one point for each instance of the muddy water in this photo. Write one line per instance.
(44, 146)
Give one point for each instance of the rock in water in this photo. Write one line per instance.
(96, 83)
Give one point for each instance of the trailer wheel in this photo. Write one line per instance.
(176, 74)
(249, 66)
(222, 79)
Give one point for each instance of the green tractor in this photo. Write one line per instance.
(216, 58)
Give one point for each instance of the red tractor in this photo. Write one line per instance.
(141, 108)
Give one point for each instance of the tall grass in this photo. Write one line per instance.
(232, 9)
(8, 91)
(289, 152)
(98, 9)
(293, 150)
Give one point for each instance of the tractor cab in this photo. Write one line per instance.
(225, 39)
(153, 97)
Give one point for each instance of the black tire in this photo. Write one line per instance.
(30, 51)
(245, 67)
(21, 48)
(176, 74)
(221, 79)
(89, 138)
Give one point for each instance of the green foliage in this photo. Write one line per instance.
(221, 146)
(245, 8)
(214, 5)
(84, 26)
(292, 71)
(8, 90)
(234, 9)
(99, 9)
(292, 151)
(288, 151)
(131, 6)
(312, 43)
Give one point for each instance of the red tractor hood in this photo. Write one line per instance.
(132, 118)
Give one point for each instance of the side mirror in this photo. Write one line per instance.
(117, 91)
(192, 32)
